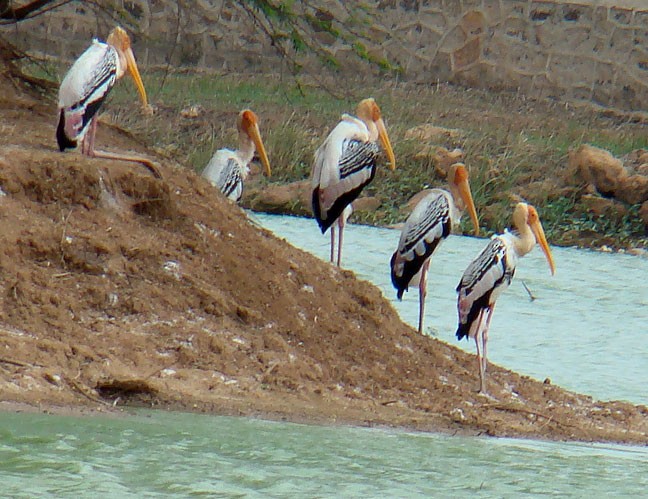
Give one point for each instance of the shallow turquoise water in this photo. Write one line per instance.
(156, 454)
(586, 330)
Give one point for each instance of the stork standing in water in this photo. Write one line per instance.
(84, 89)
(433, 219)
(344, 164)
(228, 169)
(491, 273)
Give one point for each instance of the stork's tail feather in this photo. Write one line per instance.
(63, 141)
(472, 315)
(462, 331)
(317, 212)
(398, 282)
(325, 220)
(323, 224)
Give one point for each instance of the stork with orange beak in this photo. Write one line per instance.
(344, 164)
(228, 169)
(84, 89)
(491, 273)
(433, 219)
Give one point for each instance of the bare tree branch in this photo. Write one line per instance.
(8, 55)
(17, 14)
(300, 32)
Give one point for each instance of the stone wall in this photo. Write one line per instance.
(592, 51)
(564, 50)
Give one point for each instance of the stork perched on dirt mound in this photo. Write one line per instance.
(84, 89)
(228, 169)
(491, 273)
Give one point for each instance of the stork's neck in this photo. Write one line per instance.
(455, 205)
(246, 147)
(120, 60)
(457, 200)
(524, 240)
(372, 129)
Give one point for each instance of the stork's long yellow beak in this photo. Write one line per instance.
(134, 72)
(384, 140)
(255, 135)
(466, 195)
(539, 234)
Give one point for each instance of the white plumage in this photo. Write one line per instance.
(228, 169)
(85, 86)
(349, 133)
(424, 231)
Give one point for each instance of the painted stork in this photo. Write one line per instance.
(228, 169)
(433, 219)
(344, 164)
(491, 273)
(84, 89)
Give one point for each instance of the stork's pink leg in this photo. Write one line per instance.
(87, 148)
(423, 293)
(134, 159)
(485, 338)
(480, 365)
(341, 224)
(91, 136)
(333, 243)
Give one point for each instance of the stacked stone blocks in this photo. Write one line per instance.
(578, 50)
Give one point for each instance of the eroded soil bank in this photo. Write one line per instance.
(118, 288)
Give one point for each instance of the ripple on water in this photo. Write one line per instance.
(175, 454)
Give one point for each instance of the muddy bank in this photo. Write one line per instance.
(121, 289)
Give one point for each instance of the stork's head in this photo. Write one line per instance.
(459, 186)
(526, 214)
(119, 39)
(369, 112)
(248, 124)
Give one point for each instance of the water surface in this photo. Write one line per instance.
(156, 454)
(586, 330)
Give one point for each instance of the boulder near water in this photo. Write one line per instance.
(598, 167)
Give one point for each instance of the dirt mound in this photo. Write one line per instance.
(120, 288)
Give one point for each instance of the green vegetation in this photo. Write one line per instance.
(515, 148)
(298, 31)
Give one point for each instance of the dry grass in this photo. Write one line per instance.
(512, 144)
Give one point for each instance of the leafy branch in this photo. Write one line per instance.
(296, 28)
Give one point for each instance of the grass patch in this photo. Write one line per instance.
(515, 148)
